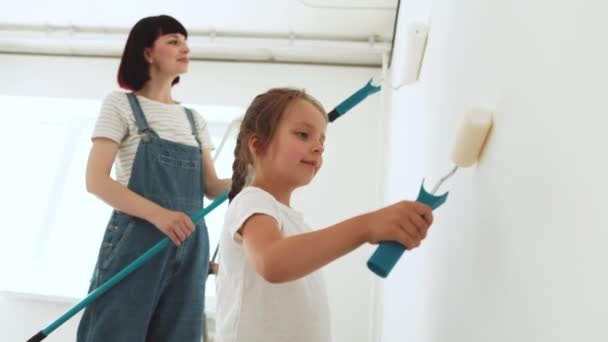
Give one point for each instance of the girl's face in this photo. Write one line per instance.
(169, 55)
(295, 153)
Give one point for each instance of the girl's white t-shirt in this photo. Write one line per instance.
(248, 307)
(169, 121)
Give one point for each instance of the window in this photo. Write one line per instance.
(51, 226)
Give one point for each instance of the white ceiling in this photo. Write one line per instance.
(319, 20)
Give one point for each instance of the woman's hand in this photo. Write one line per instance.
(176, 225)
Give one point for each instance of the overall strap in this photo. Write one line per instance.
(193, 126)
(142, 124)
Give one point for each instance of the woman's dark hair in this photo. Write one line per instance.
(134, 69)
(261, 120)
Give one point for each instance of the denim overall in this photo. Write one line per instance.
(164, 299)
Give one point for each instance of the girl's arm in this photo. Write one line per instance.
(177, 226)
(213, 185)
(278, 259)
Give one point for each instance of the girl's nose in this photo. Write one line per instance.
(319, 147)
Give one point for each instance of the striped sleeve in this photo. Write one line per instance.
(111, 123)
(203, 131)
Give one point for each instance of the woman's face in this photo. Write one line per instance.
(169, 55)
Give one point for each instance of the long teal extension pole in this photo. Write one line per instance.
(353, 100)
(341, 109)
(103, 288)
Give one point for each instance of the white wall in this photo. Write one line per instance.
(517, 253)
(348, 184)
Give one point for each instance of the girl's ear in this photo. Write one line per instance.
(253, 144)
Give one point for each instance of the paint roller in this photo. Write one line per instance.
(468, 146)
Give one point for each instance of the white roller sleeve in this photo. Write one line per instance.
(471, 137)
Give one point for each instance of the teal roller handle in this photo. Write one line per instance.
(385, 257)
(103, 288)
(388, 252)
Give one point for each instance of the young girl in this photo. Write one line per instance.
(268, 285)
(163, 170)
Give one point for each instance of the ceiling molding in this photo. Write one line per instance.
(204, 45)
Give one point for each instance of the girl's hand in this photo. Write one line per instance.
(176, 225)
(405, 222)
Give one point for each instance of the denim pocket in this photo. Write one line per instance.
(174, 178)
(167, 159)
(117, 232)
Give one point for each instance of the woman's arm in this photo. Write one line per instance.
(177, 226)
(278, 259)
(213, 185)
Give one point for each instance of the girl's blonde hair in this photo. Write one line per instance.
(261, 120)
